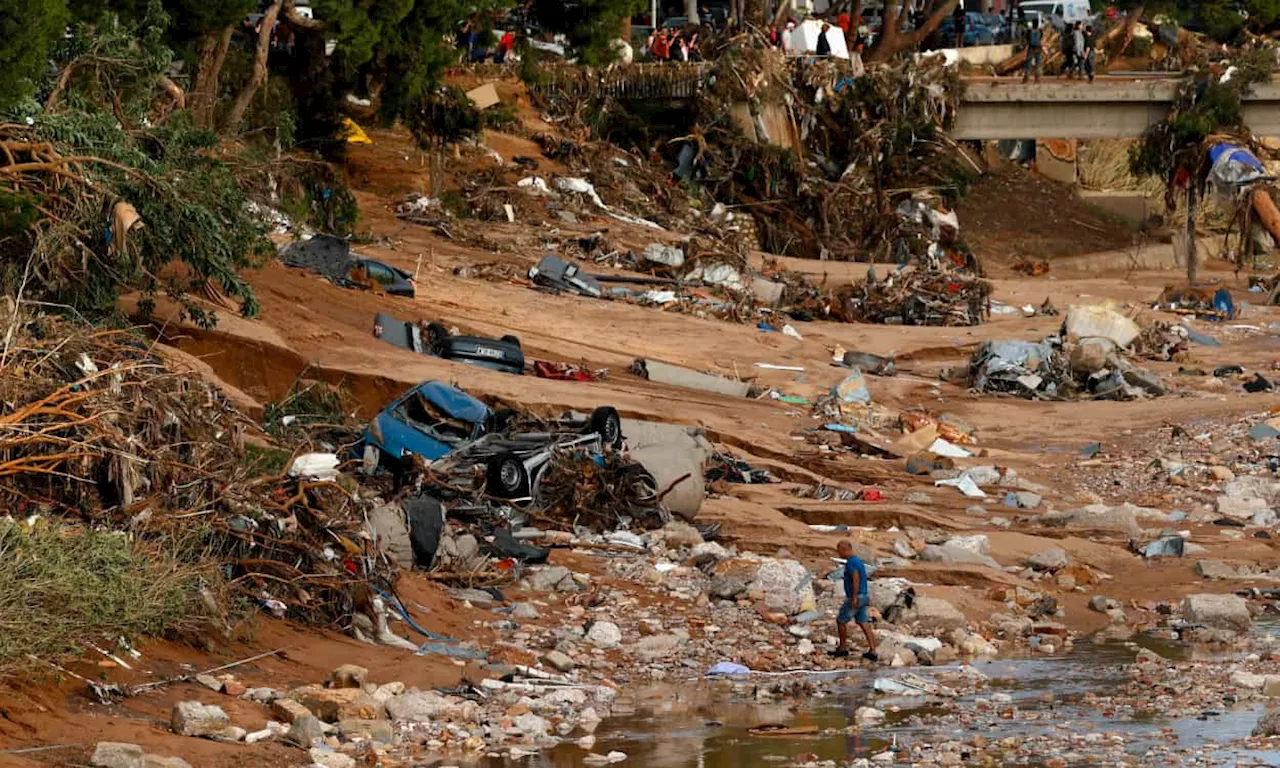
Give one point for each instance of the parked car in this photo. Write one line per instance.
(461, 438)
(368, 273)
(998, 25)
(975, 33)
(1061, 12)
(435, 339)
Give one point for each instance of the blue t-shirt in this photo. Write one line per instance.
(851, 566)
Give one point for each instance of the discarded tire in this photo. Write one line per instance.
(506, 477)
(425, 516)
(606, 423)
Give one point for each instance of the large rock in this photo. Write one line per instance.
(327, 758)
(1221, 570)
(726, 586)
(657, 647)
(885, 592)
(1218, 612)
(287, 710)
(604, 634)
(549, 578)
(159, 761)
(978, 544)
(348, 676)
(670, 452)
(558, 661)
(1124, 518)
(678, 533)
(306, 732)
(1268, 724)
(191, 718)
(532, 727)
(1049, 560)
(935, 615)
(334, 704)
(115, 754)
(950, 554)
(373, 730)
(426, 707)
(786, 586)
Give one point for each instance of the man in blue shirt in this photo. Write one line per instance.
(856, 602)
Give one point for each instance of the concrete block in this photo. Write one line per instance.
(664, 373)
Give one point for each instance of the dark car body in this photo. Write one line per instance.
(502, 354)
(368, 273)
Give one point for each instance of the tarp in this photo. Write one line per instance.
(1233, 167)
(804, 39)
(353, 133)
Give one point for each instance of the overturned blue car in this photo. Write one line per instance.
(463, 439)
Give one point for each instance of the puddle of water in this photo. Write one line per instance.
(711, 729)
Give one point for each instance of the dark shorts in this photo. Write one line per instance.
(855, 612)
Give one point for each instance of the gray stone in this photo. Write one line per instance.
(558, 661)
(918, 497)
(935, 614)
(327, 758)
(865, 716)
(115, 754)
(158, 761)
(1123, 518)
(902, 548)
(373, 730)
(306, 732)
(678, 533)
(549, 577)
(390, 534)
(191, 718)
(1049, 560)
(658, 646)
(787, 586)
(524, 611)
(427, 706)
(477, 597)
(1102, 604)
(468, 547)
(348, 676)
(1229, 612)
(885, 592)
(532, 726)
(1268, 724)
(1264, 518)
(950, 554)
(726, 586)
(1219, 570)
(604, 634)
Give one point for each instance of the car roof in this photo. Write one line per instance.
(452, 401)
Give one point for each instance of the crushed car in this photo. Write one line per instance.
(435, 339)
(332, 258)
(469, 447)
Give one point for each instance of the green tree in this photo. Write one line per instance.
(590, 25)
(28, 31)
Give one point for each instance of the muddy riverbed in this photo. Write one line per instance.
(1068, 709)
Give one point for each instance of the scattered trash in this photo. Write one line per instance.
(853, 389)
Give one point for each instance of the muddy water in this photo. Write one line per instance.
(710, 726)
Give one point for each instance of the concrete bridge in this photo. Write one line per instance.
(1110, 108)
(992, 108)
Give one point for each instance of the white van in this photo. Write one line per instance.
(1060, 12)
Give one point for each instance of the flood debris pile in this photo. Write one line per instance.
(932, 295)
(101, 430)
(1087, 358)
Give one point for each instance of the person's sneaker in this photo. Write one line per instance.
(871, 656)
(838, 653)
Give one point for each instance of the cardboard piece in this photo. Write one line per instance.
(484, 96)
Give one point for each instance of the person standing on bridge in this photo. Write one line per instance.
(1077, 42)
(1090, 44)
(1035, 51)
(958, 17)
(824, 45)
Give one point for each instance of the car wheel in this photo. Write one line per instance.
(512, 340)
(506, 477)
(436, 334)
(606, 423)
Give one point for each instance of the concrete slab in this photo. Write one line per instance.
(665, 373)
(1134, 207)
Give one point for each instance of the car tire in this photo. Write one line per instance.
(606, 423)
(436, 334)
(506, 477)
(512, 340)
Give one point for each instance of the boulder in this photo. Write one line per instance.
(786, 586)
(868, 716)
(558, 661)
(115, 754)
(949, 554)
(935, 615)
(158, 761)
(1268, 725)
(306, 732)
(348, 676)
(426, 706)
(885, 592)
(191, 718)
(678, 533)
(334, 704)
(658, 646)
(532, 727)
(373, 730)
(1242, 679)
(1049, 559)
(327, 758)
(288, 710)
(1123, 518)
(978, 544)
(549, 578)
(726, 586)
(1220, 570)
(1229, 612)
(604, 634)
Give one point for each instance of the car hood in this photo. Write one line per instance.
(454, 402)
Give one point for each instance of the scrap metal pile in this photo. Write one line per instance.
(1088, 358)
(96, 427)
